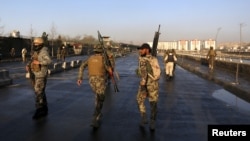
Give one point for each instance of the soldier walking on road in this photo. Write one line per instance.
(39, 67)
(170, 60)
(58, 54)
(211, 57)
(63, 53)
(148, 88)
(12, 53)
(24, 52)
(97, 79)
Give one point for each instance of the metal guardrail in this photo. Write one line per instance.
(221, 57)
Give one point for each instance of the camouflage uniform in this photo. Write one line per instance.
(97, 83)
(39, 81)
(211, 57)
(63, 53)
(150, 90)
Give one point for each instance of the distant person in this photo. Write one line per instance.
(170, 60)
(12, 53)
(24, 53)
(211, 58)
(63, 53)
(39, 68)
(148, 86)
(97, 69)
(58, 54)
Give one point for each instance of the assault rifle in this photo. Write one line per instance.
(155, 42)
(106, 58)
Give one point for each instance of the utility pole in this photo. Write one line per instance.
(218, 30)
(237, 69)
(31, 38)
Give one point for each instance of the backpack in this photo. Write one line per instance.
(155, 70)
(212, 53)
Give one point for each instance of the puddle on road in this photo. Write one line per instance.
(231, 99)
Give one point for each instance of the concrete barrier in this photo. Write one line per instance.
(66, 65)
(73, 64)
(79, 62)
(5, 78)
(56, 67)
(59, 67)
(76, 63)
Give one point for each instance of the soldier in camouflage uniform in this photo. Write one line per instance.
(148, 87)
(38, 67)
(97, 79)
(211, 57)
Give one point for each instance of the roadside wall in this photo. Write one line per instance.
(244, 69)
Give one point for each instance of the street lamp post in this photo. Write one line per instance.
(237, 69)
(218, 30)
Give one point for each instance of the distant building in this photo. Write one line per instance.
(183, 45)
(165, 45)
(106, 40)
(209, 43)
(195, 45)
(15, 34)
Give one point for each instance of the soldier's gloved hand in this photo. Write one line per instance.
(27, 68)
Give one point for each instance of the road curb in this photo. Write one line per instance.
(5, 78)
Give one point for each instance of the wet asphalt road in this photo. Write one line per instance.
(186, 106)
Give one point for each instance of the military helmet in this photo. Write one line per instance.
(97, 48)
(38, 40)
(38, 43)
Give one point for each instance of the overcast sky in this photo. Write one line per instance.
(130, 21)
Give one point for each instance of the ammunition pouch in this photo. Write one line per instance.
(35, 67)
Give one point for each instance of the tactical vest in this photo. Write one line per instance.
(96, 66)
(212, 53)
(35, 67)
(170, 58)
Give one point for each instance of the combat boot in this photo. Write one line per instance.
(152, 125)
(96, 120)
(144, 119)
(36, 114)
(153, 106)
(97, 114)
(40, 112)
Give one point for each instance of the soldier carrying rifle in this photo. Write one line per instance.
(38, 68)
(97, 69)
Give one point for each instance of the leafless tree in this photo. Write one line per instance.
(89, 40)
(31, 37)
(52, 36)
(1, 29)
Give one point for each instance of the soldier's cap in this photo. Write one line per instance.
(145, 46)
